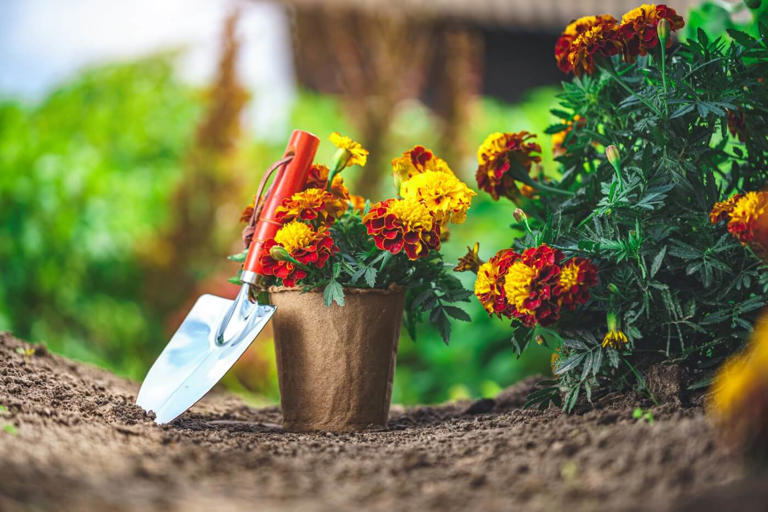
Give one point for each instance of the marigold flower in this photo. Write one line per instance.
(747, 219)
(638, 28)
(447, 197)
(489, 285)
(471, 261)
(403, 225)
(357, 202)
(247, 213)
(739, 398)
(309, 205)
(577, 276)
(497, 157)
(415, 161)
(356, 154)
(309, 247)
(318, 178)
(722, 210)
(571, 32)
(558, 139)
(615, 339)
(530, 285)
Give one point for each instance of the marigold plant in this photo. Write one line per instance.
(647, 244)
(330, 239)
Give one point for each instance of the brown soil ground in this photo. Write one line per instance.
(81, 444)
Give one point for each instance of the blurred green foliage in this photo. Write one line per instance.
(715, 17)
(86, 178)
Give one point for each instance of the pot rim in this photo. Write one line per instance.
(394, 289)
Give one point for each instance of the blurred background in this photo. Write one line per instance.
(133, 133)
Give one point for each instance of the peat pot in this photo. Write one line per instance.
(335, 364)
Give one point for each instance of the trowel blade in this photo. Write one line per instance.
(193, 361)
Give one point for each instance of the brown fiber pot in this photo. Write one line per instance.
(335, 364)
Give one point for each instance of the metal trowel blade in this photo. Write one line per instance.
(195, 360)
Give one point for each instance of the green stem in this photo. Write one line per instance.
(618, 80)
(664, 75)
(641, 380)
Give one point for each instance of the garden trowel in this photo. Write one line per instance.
(217, 331)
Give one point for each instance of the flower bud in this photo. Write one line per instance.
(519, 215)
(612, 153)
(278, 253)
(662, 29)
(613, 288)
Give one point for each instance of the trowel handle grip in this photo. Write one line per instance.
(291, 178)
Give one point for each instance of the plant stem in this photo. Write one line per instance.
(618, 80)
(664, 76)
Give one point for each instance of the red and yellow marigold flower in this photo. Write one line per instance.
(489, 285)
(318, 178)
(722, 210)
(357, 202)
(498, 159)
(571, 32)
(310, 205)
(747, 219)
(403, 225)
(530, 285)
(577, 276)
(415, 161)
(447, 197)
(354, 152)
(309, 247)
(638, 28)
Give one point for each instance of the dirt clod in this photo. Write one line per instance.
(80, 443)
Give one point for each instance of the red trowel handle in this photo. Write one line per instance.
(289, 179)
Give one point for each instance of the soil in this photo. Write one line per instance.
(81, 444)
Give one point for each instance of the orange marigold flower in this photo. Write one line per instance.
(722, 210)
(403, 225)
(530, 285)
(311, 248)
(471, 261)
(308, 205)
(357, 202)
(446, 196)
(489, 285)
(748, 217)
(354, 152)
(638, 28)
(498, 157)
(558, 139)
(571, 32)
(318, 178)
(577, 276)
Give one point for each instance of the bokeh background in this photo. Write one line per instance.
(133, 133)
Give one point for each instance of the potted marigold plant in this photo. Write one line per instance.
(623, 272)
(342, 272)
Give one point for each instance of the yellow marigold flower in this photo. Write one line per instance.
(415, 161)
(470, 261)
(517, 285)
(356, 154)
(723, 209)
(746, 214)
(731, 385)
(447, 197)
(357, 202)
(295, 235)
(615, 339)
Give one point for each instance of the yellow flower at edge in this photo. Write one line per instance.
(356, 153)
(447, 197)
(615, 339)
(517, 285)
(470, 261)
(415, 161)
(295, 235)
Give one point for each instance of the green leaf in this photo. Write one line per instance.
(457, 313)
(333, 292)
(239, 257)
(10, 429)
(370, 276)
